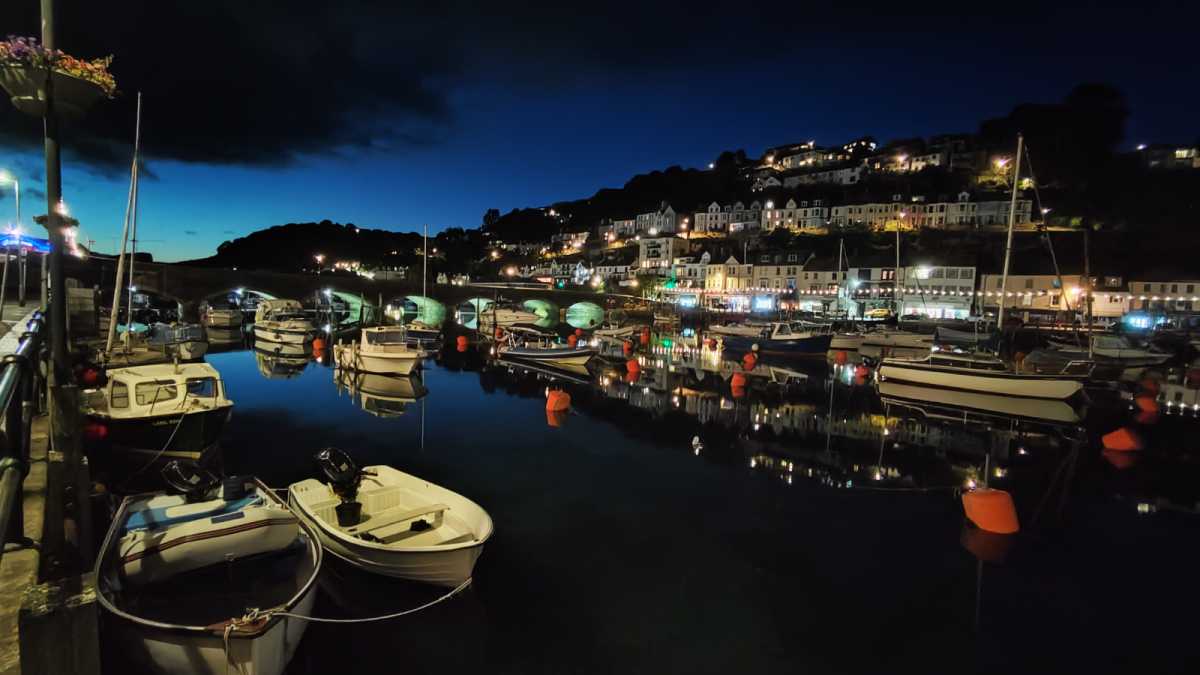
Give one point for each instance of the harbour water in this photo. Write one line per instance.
(671, 524)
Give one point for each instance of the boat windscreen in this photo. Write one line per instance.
(385, 337)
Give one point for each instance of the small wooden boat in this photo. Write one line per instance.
(388, 522)
(380, 349)
(980, 373)
(163, 411)
(178, 573)
(282, 321)
(532, 345)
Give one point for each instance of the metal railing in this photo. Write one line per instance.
(21, 385)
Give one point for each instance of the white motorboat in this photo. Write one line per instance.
(380, 349)
(179, 573)
(388, 522)
(282, 321)
(532, 345)
(164, 411)
(1112, 349)
(746, 329)
(186, 340)
(980, 373)
(222, 318)
(504, 317)
(281, 361)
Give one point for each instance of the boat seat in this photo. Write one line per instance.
(163, 517)
(385, 519)
(460, 539)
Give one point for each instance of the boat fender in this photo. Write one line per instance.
(1122, 440)
(738, 381)
(572, 340)
(633, 366)
(557, 400)
(749, 361)
(991, 510)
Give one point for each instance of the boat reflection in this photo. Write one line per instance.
(281, 361)
(385, 396)
(954, 404)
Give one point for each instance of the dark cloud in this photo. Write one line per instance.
(236, 82)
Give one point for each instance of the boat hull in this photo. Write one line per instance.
(439, 568)
(815, 345)
(945, 400)
(845, 343)
(184, 436)
(281, 335)
(965, 379)
(350, 359)
(565, 356)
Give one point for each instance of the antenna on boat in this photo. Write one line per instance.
(116, 302)
(1012, 217)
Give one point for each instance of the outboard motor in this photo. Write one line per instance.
(188, 478)
(344, 477)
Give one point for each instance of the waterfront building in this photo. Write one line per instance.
(1036, 297)
(656, 255)
(1167, 297)
(730, 275)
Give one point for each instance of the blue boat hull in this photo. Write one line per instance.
(812, 346)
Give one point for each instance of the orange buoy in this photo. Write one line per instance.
(578, 332)
(627, 347)
(90, 377)
(499, 333)
(991, 510)
(1122, 440)
(633, 366)
(645, 337)
(557, 400)
(461, 341)
(632, 376)
(749, 361)
(840, 357)
(1120, 460)
(318, 345)
(738, 381)
(861, 371)
(738, 392)
(1147, 409)
(987, 546)
(556, 418)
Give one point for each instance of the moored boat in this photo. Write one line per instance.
(282, 321)
(179, 574)
(980, 373)
(222, 318)
(380, 349)
(532, 345)
(389, 522)
(1113, 350)
(161, 411)
(779, 338)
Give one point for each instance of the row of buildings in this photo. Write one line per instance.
(795, 279)
(816, 216)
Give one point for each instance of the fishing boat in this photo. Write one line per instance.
(504, 316)
(421, 335)
(180, 571)
(222, 318)
(747, 328)
(162, 411)
(779, 338)
(975, 372)
(1112, 350)
(384, 396)
(388, 522)
(380, 349)
(532, 345)
(282, 321)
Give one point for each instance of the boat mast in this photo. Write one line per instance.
(840, 281)
(425, 262)
(1087, 290)
(1012, 217)
(116, 301)
(132, 256)
(896, 273)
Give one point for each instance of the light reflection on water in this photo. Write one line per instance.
(671, 524)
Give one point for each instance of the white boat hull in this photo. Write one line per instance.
(966, 379)
(615, 333)
(348, 358)
(166, 651)
(281, 335)
(433, 560)
(1007, 406)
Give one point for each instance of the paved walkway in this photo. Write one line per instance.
(12, 324)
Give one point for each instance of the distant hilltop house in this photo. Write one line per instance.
(1170, 156)
(726, 217)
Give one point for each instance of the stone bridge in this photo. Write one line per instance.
(191, 285)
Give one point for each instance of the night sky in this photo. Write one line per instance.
(392, 116)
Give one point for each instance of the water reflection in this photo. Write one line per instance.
(281, 361)
(384, 396)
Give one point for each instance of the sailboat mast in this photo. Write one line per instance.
(425, 262)
(116, 301)
(841, 281)
(896, 272)
(1012, 218)
(133, 214)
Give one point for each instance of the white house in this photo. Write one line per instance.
(938, 292)
(848, 175)
(664, 220)
(797, 216)
(1178, 295)
(690, 272)
(657, 254)
(1042, 293)
(729, 276)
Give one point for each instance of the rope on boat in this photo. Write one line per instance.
(255, 615)
(159, 454)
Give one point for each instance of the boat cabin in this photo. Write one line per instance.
(278, 310)
(161, 389)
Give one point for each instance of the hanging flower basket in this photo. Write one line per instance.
(78, 84)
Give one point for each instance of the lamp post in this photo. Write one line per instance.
(6, 177)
